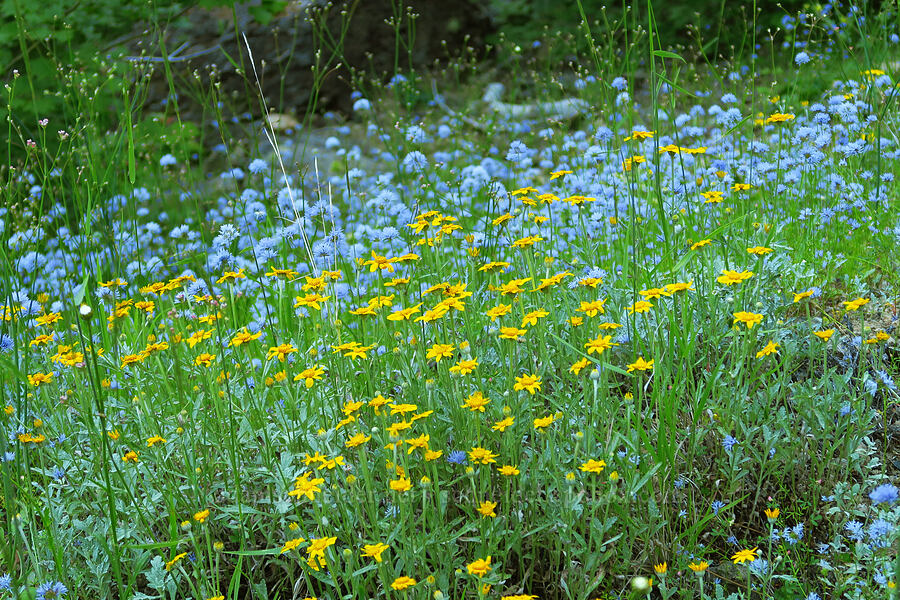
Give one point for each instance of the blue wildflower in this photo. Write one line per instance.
(50, 591)
(167, 160)
(619, 83)
(729, 442)
(5, 582)
(884, 493)
(802, 58)
(716, 506)
(759, 567)
(879, 528)
(793, 535)
(234, 173)
(456, 457)
(415, 134)
(854, 530)
(257, 165)
(415, 161)
(517, 152)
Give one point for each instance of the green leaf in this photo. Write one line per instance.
(78, 292)
(667, 54)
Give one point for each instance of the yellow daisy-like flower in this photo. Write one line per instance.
(770, 348)
(543, 422)
(401, 485)
(229, 276)
(747, 318)
(592, 308)
(374, 551)
(482, 456)
(593, 466)
(440, 351)
(855, 304)
(733, 277)
(201, 516)
(280, 351)
(779, 118)
(503, 424)
(579, 365)
(529, 383)
(486, 509)
(464, 367)
(38, 379)
(742, 556)
(175, 560)
(479, 567)
(511, 333)
(310, 376)
(403, 582)
(291, 545)
(802, 295)
(242, 337)
(641, 306)
(599, 344)
(824, 335)
(357, 439)
(498, 311)
(640, 365)
(476, 402)
(532, 317)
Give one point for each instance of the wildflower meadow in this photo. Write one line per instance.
(439, 348)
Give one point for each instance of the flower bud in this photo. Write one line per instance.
(640, 585)
(85, 312)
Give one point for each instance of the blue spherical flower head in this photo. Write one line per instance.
(415, 134)
(257, 165)
(517, 152)
(884, 493)
(456, 457)
(51, 590)
(802, 58)
(415, 161)
(6, 343)
(5, 582)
